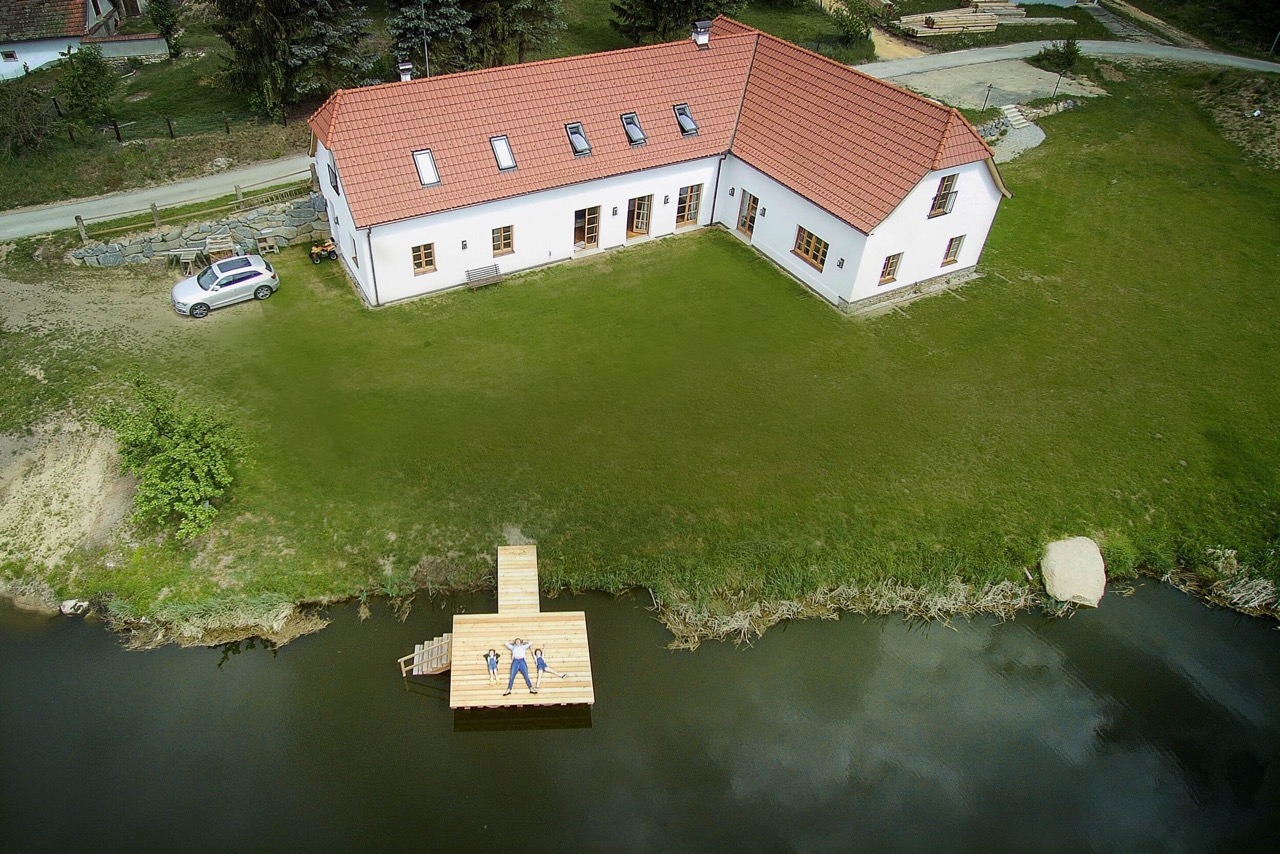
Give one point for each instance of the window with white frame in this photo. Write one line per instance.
(426, 163)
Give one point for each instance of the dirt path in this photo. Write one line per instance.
(889, 46)
(1169, 31)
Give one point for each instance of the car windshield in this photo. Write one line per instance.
(206, 278)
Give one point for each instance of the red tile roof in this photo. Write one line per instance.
(848, 142)
(26, 20)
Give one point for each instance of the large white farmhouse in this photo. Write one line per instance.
(852, 185)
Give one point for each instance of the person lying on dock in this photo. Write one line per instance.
(519, 665)
(491, 658)
(542, 668)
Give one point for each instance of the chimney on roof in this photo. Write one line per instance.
(702, 34)
(406, 71)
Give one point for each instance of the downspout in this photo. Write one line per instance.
(715, 193)
(373, 268)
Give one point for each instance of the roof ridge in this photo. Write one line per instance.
(746, 84)
(475, 72)
(942, 140)
(838, 64)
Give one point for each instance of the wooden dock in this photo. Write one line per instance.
(561, 635)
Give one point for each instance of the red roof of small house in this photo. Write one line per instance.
(848, 142)
(27, 20)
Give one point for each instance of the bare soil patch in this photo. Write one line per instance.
(1247, 110)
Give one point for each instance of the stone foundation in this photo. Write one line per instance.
(891, 300)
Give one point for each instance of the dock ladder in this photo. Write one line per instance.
(430, 658)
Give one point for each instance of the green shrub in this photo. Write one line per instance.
(182, 455)
(1059, 57)
(87, 84)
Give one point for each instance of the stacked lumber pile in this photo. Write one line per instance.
(999, 8)
(981, 16)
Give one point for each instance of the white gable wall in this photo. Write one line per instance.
(35, 53)
(775, 232)
(543, 227)
(922, 239)
(352, 244)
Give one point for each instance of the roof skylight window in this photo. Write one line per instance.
(578, 139)
(688, 126)
(635, 133)
(426, 167)
(502, 151)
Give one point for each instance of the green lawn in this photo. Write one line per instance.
(1243, 26)
(683, 416)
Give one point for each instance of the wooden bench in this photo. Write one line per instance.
(481, 276)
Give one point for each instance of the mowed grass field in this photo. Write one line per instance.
(681, 415)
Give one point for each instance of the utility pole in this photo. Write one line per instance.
(426, 57)
(1274, 42)
(987, 97)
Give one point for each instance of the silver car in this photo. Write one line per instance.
(237, 279)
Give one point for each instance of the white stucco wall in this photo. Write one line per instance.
(35, 54)
(922, 240)
(352, 244)
(543, 228)
(775, 231)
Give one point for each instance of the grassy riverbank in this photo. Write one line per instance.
(683, 417)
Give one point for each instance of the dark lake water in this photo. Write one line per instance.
(1151, 724)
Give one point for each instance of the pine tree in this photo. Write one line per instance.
(535, 25)
(283, 50)
(325, 48)
(444, 23)
(663, 20)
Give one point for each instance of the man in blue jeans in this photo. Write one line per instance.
(518, 665)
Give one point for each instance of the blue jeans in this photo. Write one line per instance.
(518, 665)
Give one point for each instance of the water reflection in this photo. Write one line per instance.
(1149, 724)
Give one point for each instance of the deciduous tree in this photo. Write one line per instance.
(164, 17)
(87, 84)
(25, 117)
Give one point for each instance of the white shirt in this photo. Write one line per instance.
(518, 649)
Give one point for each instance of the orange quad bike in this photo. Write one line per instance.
(320, 251)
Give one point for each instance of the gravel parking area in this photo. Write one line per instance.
(1012, 82)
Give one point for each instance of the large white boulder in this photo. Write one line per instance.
(1074, 572)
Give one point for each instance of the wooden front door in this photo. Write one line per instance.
(747, 213)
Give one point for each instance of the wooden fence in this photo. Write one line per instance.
(99, 228)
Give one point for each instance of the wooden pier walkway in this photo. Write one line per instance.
(561, 635)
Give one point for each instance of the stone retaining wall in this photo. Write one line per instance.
(301, 220)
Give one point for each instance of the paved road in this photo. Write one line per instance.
(27, 221)
(979, 55)
(23, 222)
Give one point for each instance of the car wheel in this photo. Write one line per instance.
(262, 292)
(199, 310)
(333, 255)
(315, 259)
